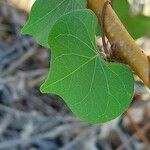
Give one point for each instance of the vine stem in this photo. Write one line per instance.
(102, 18)
(126, 47)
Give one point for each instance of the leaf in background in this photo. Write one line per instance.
(96, 91)
(138, 25)
(44, 14)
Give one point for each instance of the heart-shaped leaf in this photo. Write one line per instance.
(138, 25)
(44, 14)
(95, 90)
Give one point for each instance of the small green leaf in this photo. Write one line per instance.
(138, 26)
(95, 90)
(44, 14)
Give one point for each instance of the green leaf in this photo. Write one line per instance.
(95, 90)
(138, 26)
(45, 13)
